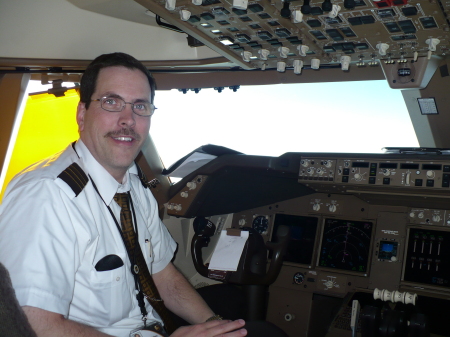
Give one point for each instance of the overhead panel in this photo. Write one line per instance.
(261, 34)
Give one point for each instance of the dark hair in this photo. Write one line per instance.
(88, 82)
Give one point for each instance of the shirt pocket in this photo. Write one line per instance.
(111, 295)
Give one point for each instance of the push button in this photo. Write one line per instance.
(418, 182)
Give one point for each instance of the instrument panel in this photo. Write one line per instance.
(362, 249)
(360, 224)
(291, 35)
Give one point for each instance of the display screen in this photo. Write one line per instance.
(345, 245)
(427, 257)
(303, 236)
(388, 250)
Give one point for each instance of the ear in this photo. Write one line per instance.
(81, 112)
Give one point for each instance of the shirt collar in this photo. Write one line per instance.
(107, 186)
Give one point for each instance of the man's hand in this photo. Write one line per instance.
(213, 328)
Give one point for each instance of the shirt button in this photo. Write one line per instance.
(117, 278)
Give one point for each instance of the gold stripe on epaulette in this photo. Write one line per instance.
(75, 177)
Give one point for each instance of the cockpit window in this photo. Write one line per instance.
(274, 119)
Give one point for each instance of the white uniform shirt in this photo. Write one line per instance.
(51, 240)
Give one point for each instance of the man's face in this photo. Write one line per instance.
(115, 138)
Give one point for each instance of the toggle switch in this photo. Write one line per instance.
(263, 53)
(297, 16)
(240, 4)
(185, 15)
(302, 49)
(345, 62)
(334, 11)
(170, 5)
(281, 66)
(382, 48)
(246, 56)
(315, 64)
(432, 43)
(298, 65)
(284, 51)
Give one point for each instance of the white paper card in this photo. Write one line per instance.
(228, 251)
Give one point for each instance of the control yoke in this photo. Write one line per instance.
(252, 265)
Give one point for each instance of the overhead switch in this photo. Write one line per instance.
(284, 51)
(240, 4)
(306, 7)
(170, 5)
(297, 16)
(281, 66)
(303, 49)
(315, 64)
(327, 6)
(246, 56)
(345, 62)
(185, 15)
(263, 53)
(432, 43)
(298, 65)
(382, 48)
(334, 11)
(285, 11)
(349, 4)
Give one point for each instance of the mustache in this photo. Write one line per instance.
(123, 132)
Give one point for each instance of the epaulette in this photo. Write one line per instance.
(75, 177)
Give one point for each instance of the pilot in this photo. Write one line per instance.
(69, 224)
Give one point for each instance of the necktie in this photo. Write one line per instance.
(139, 266)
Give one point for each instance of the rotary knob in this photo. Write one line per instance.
(304, 163)
(412, 215)
(191, 185)
(327, 163)
(242, 222)
(316, 207)
(329, 284)
(430, 174)
(436, 218)
(332, 208)
(184, 194)
(386, 172)
(421, 215)
(177, 207)
(358, 177)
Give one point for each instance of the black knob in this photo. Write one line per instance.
(306, 8)
(285, 11)
(349, 4)
(204, 227)
(327, 6)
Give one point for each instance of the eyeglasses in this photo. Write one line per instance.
(117, 104)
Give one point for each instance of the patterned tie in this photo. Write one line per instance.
(140, 268)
